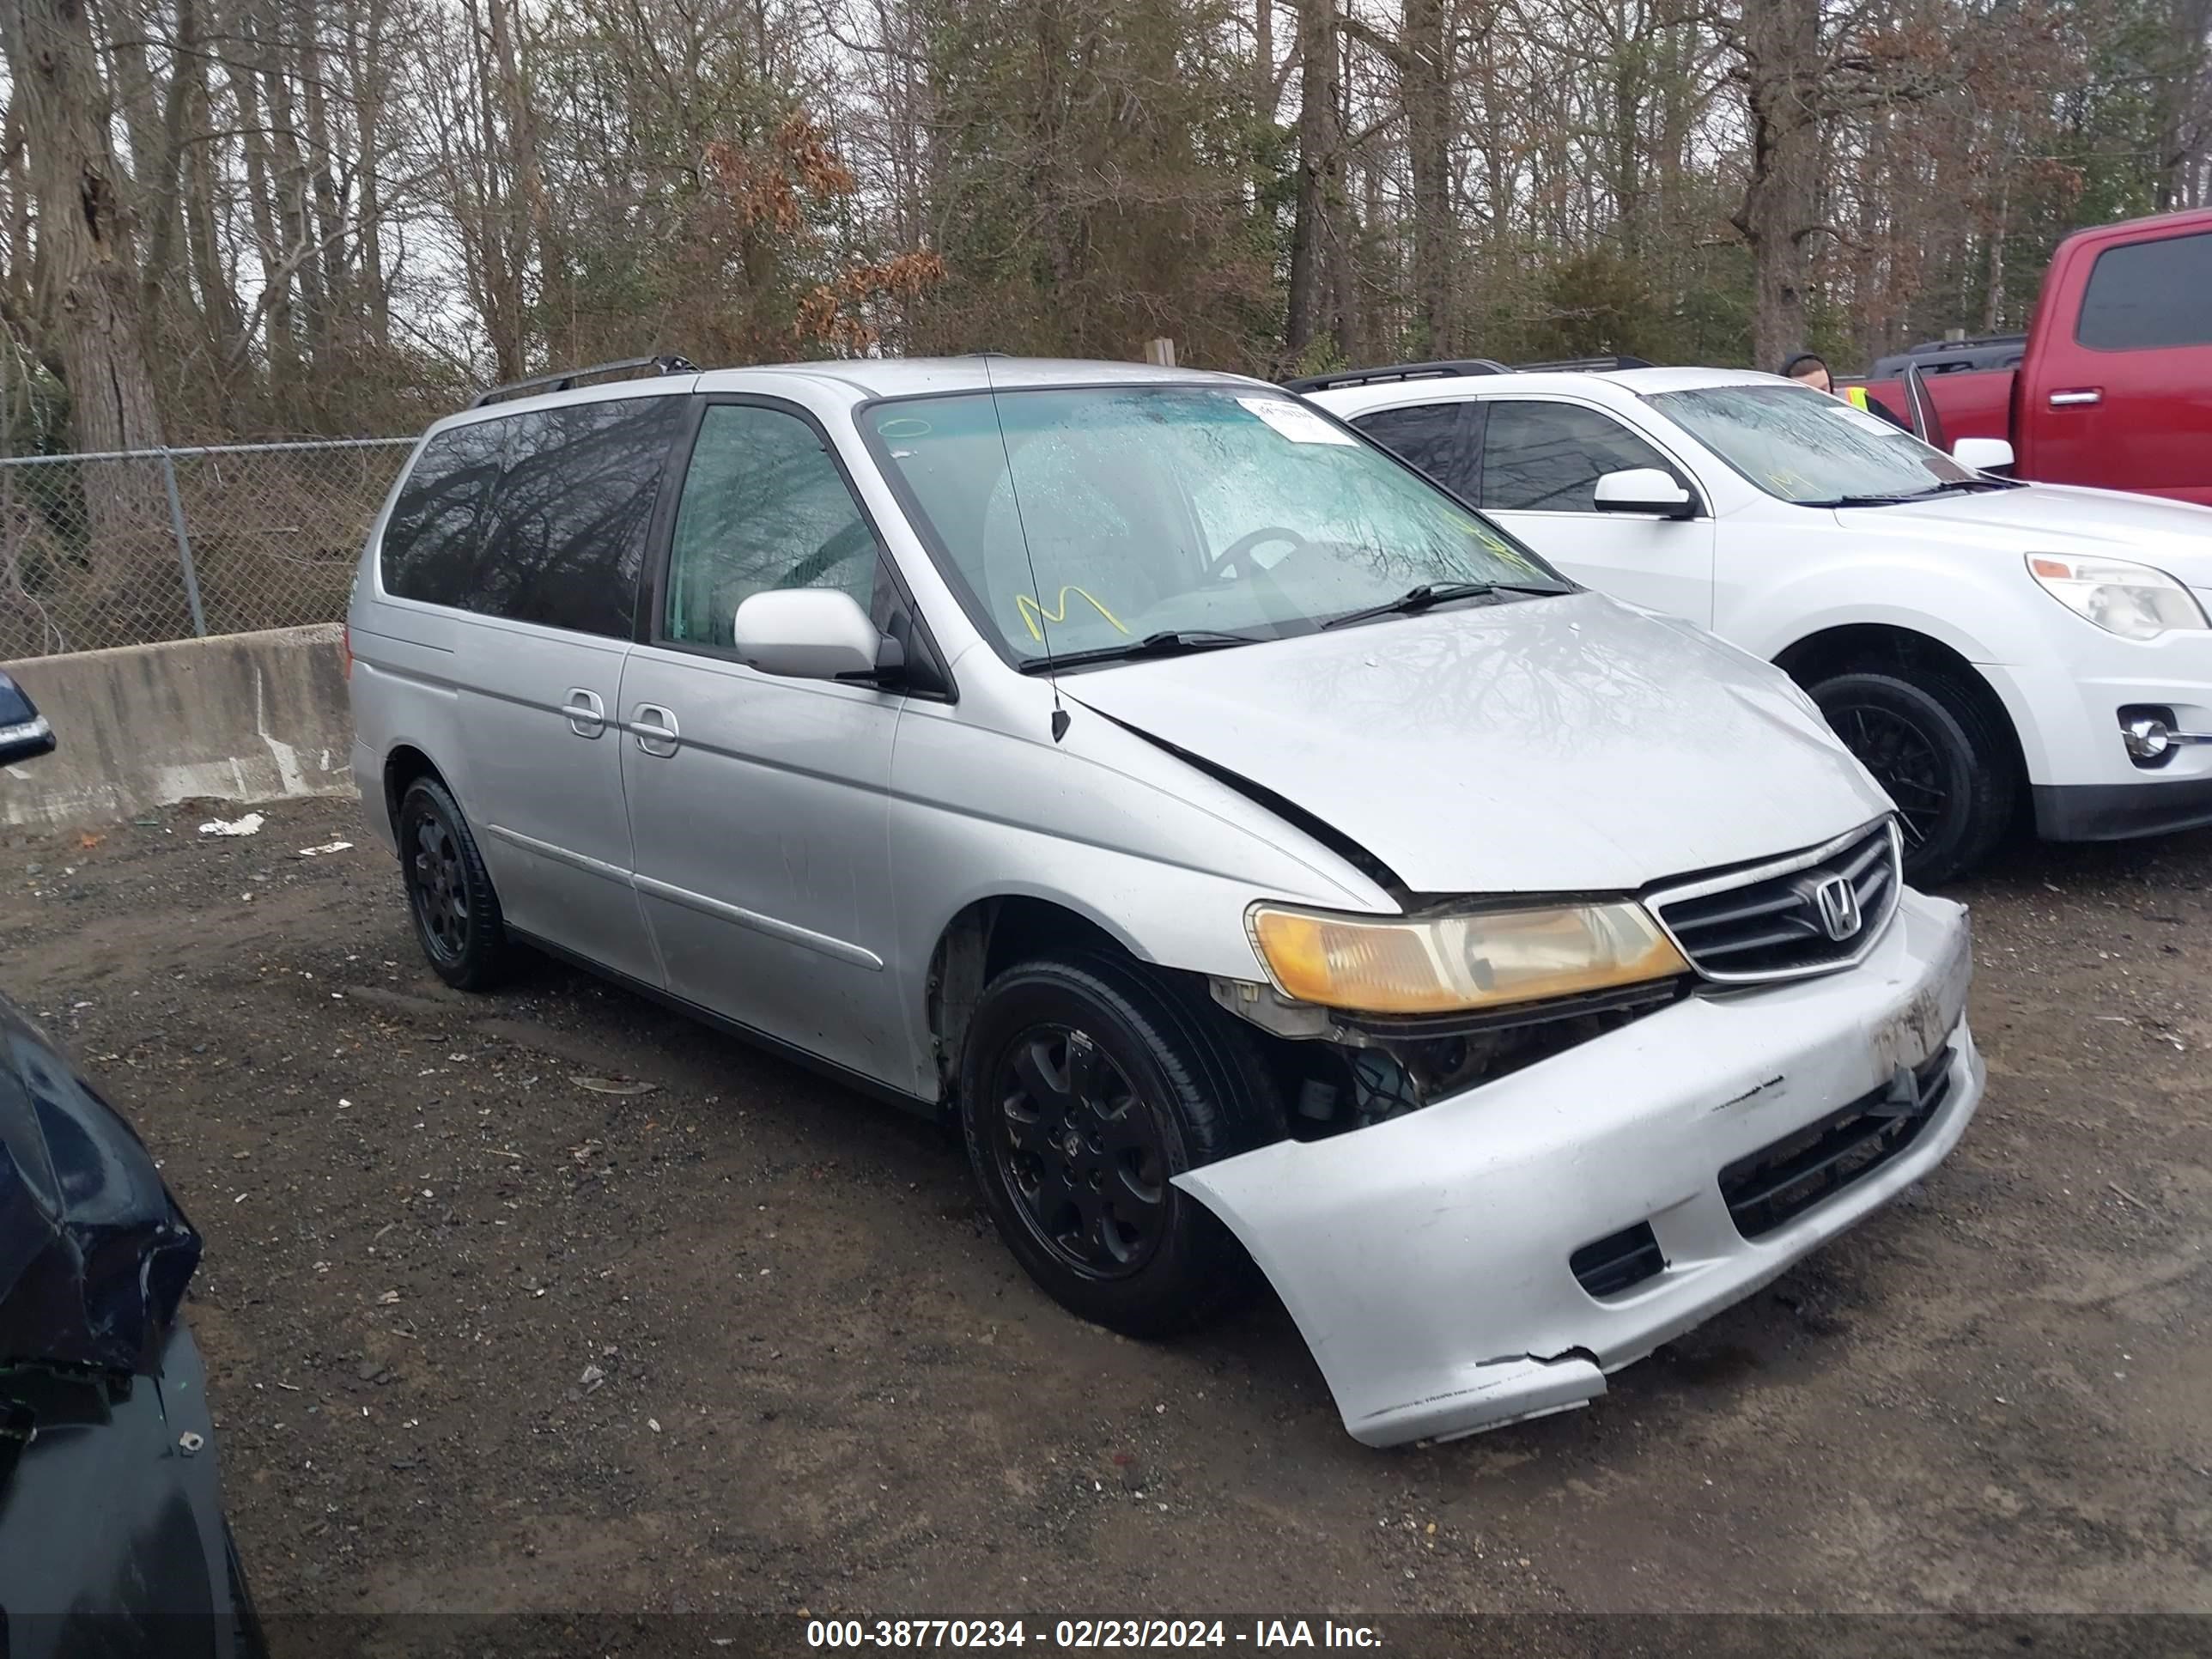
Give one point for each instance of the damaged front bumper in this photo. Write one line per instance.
(1440, 1264)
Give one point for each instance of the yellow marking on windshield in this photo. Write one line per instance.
(1031, 612)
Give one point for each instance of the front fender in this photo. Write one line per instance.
(1104, 824)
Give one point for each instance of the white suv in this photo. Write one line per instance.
(1970, 637)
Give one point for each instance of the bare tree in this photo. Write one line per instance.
(86, 292)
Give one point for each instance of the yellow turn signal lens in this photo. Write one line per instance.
(1450, 964)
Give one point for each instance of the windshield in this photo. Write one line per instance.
(1811, 448)
(1089, 520)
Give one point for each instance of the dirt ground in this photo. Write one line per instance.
(483, 1336)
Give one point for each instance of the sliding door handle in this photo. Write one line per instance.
(587, 714)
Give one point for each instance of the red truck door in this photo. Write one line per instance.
(2116, 390)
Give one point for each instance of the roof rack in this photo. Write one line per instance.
(1443, 369)
(1582, 365)
(1947, 356)
(566, 378)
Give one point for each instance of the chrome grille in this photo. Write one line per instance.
(1809, 914)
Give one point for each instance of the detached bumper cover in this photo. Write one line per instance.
(1425, 1259)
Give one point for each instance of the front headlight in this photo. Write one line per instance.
(2132, 600)
(1445, 964)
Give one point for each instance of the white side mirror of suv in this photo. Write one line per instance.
(1644, 490)
(1983, 454)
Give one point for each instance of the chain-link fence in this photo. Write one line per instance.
(164, 544)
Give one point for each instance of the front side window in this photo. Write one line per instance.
(2142, 296)
(763, 506)
(1547, 458)
(1813, 449)
(1087, 519)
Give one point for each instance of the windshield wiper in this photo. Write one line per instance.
(1944, 489)
(1433, 593)
(1172, 642)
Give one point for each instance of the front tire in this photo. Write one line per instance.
(1086, 1085)
(449, 892)
(1937, 751)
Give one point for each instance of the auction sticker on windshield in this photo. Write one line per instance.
(1295, 421)
(1860, 418)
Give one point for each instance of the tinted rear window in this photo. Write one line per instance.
(567, 536)
(559, 540)
(2144, 295)
(430, 541)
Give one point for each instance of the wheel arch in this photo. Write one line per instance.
(402, 767)
(981, 940)
(1888, 648)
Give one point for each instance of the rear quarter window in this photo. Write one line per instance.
(2143, 295)
(1437, 438)
(436, 528)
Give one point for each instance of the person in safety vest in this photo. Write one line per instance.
(1810, 368)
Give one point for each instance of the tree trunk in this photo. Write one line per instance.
(87, 292)
(556, 303)
(366, 73)
(281, 343)
(1426, 74)
(1320, 172)
(152, 117)
(1341, 221)
(341, 322)
(295, 226)
(1263, 60)
(1782, 67)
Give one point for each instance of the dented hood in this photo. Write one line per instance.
(1555, 744)
(95, 1255)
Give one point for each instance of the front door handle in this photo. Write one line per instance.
(2080, 397)
(654, 728)
(587, 715)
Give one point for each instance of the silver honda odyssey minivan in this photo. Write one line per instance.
(1273, 868)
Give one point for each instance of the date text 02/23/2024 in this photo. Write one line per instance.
(1085, 1634)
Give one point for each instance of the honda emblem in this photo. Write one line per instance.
(1839, 904)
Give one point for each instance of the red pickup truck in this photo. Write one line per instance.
(2113, 382)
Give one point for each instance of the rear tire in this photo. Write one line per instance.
(1941, 754)
(1086, 1085)
(450, 897)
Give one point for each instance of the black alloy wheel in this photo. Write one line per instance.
(450, 897)
(1939, 752)
(1082, 1155)
(1088, 1083)
(1904, 761)
(439, 889)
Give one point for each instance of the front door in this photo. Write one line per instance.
(2123, 398)
(758, 805)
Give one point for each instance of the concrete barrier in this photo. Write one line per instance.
(242, 717)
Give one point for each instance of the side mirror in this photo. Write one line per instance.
(811, 634)
(1983, 454)
(1645, 489)
(24, 734)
